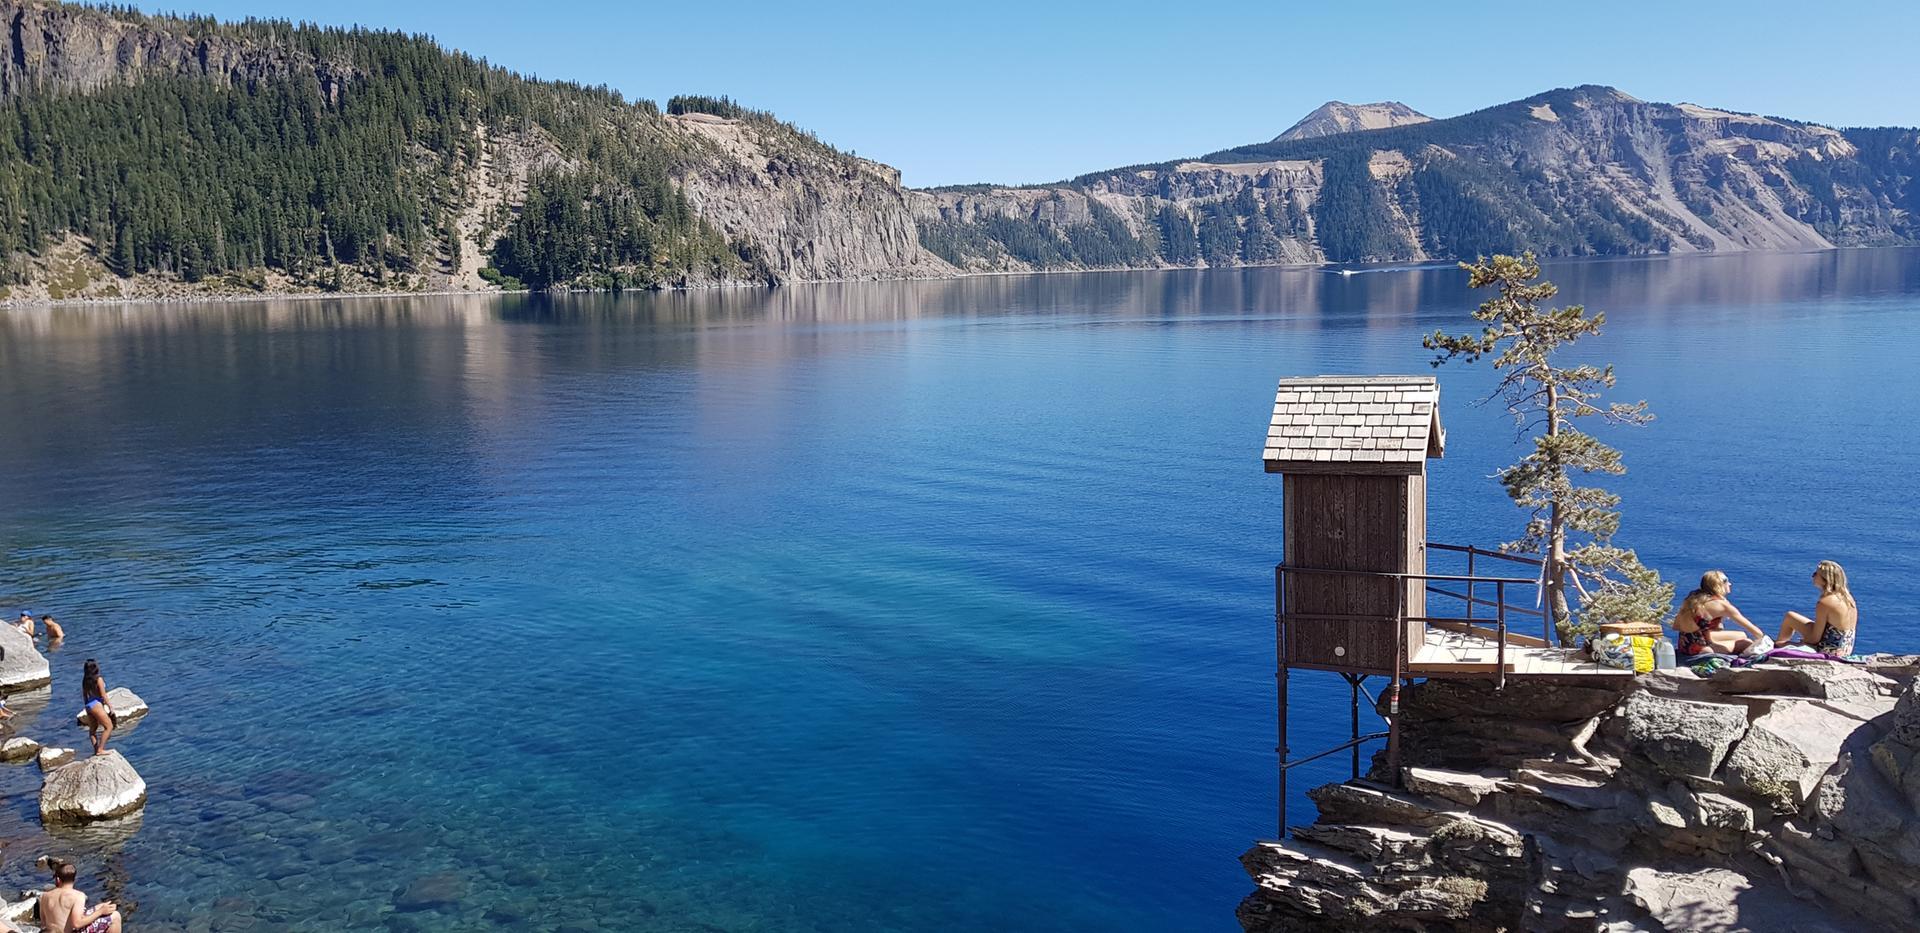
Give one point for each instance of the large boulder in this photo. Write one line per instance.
(1683, 738)
(21, 663)
(1786, 752)
(127, 707)
(101, 787)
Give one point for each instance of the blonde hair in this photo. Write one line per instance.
(1713, 585)
(1833, 579)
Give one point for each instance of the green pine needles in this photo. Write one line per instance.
(1570, 526)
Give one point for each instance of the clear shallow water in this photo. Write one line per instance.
(859, 607)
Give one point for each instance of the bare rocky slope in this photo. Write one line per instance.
(1581, 171)
(1340, 117)
(1780, 797)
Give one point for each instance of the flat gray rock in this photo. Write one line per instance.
(22, 665)
(51, 758)
(1681, 737)
(1461, 787)
(99, 787)
(1786, 752)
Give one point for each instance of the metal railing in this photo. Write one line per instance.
(1471, 600)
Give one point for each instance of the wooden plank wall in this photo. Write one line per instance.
(1342, 522)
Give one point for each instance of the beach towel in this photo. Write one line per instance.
(1802, 652)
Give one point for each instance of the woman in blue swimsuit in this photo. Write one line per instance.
(1835, 618)
(93, 688)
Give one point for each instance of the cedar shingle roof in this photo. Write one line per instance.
(1354, 424)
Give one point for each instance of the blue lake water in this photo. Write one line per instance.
(865, 607)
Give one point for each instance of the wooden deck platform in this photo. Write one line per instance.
(1451, 652)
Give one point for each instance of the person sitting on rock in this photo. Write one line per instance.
(65, 908)
(25, 625)
(1700, 616)
(1835, 616)
(54, 631)
(100, 719)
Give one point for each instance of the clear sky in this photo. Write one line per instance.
(1032, 91)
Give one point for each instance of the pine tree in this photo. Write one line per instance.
(1571, 527)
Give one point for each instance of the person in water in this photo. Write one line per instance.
(25, 625)
(93, 688)
(65, 907)
(1835, 617)
(54, 631)
(1701, 615)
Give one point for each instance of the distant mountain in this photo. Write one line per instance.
(1338, 117)
(160, 156)
(1572, 172)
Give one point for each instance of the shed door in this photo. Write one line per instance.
(1344, 523)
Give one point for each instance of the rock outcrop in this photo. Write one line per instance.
(99, 787)
(51, 758)
(22, 666)
(1785, 796)
(128, 708)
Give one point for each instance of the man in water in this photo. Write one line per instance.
(54, 632)
(65, 908)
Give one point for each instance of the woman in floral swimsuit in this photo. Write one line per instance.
(1700, 617)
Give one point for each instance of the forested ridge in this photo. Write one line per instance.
(351, 154)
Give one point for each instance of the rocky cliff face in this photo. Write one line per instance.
(1339, 117)
(803, 211)
(1777, 797)
(55, 47)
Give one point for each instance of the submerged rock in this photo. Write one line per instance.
(127, 707)
(18, 749)
(100, 787)
(21, 664)
(430, 891)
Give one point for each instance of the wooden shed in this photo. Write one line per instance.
(1353, 451)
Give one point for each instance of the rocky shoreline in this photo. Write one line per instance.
(1782, 796)
(75, 790)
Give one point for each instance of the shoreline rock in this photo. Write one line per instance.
(18, 749)
(99, 787)
(22, 666)
(1782, 797)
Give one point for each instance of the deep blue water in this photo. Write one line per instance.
(925, 605)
